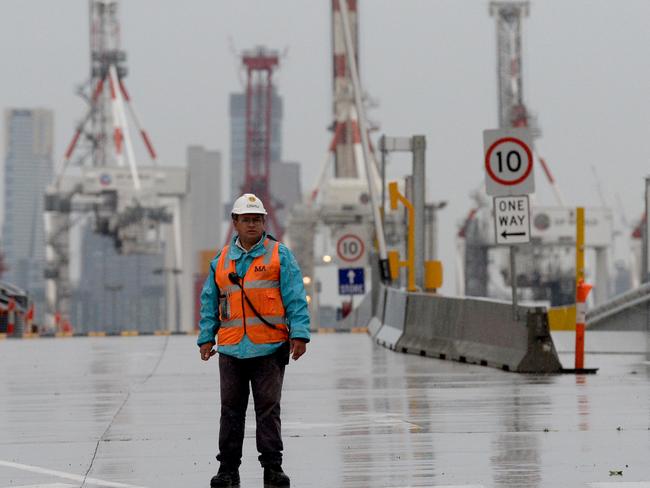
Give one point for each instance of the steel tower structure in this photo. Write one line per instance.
(512, 113)
(259, 65)
(509, 15)
(346, 130)
(101, 140)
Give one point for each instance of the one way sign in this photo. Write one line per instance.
(512, 220)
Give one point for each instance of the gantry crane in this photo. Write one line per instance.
(129, 204)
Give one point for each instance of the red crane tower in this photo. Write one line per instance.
(259, 65)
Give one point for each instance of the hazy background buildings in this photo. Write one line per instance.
(28, 160)
(436, 77)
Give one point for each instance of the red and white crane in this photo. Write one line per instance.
(259, 65)
(102, 146)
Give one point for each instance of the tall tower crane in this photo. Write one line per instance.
(127, 202)
(346, 130)
(512, 108)
(259, 65)
(349, 179)
(509, 15)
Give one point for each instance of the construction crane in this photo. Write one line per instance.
(474, 241)
(348, 187)
(259, 65)
(129, 204)
(509, 17)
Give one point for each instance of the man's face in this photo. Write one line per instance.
(249, 226)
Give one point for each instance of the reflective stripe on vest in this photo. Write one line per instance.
(262, 285)
(252, 321)
(254, 284)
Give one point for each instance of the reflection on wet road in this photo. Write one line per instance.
(143, 412)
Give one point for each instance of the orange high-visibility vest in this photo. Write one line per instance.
(262, 285)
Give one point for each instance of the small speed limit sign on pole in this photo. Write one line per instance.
(351, 245)
(508, 162)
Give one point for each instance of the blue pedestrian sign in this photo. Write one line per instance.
(351, 281)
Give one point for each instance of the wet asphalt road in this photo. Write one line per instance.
(130, 412)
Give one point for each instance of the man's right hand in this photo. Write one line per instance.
(207, 350)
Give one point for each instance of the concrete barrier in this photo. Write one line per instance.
(480, 332)
(628, 311)
(469, 330)
(392, 327)
(377, 319)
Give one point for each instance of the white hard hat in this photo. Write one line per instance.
(248, 204)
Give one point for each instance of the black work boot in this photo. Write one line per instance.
(274, 477)
(226, 478)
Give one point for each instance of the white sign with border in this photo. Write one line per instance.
(557, 225)
(508, 162)
(512, 219)
(351, 246)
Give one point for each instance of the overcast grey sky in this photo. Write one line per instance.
(429, 63)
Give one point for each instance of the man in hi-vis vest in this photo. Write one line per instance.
(254, 303)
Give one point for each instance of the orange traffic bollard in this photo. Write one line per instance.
(582, 291)
(11, 316)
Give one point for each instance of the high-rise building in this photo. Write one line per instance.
(28, 167)
(206, 199)
(206, 222)
(238, 138)
(285, 187)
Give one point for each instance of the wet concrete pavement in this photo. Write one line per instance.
(130, 412)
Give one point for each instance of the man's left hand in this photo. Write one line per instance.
(298, 348)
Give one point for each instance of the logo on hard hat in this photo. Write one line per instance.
(252, 199)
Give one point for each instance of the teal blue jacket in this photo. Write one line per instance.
(291, 289)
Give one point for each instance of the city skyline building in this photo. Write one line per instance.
(206, 222)
(28, 167)
(205, 183)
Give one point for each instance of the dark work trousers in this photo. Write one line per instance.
(265, 375)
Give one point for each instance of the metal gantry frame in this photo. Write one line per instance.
(259, 65)
(124, 210)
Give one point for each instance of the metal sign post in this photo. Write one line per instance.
(645, 258)
(513, 281)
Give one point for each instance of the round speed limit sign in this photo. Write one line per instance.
(508, 162)
(350, 248)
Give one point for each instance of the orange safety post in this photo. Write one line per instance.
(582, 291)
(57, 322)
(29, 319)
(67, 327)
(11, 316)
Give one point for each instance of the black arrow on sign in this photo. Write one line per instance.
(505, 234)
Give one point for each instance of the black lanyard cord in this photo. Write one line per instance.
(234, 278)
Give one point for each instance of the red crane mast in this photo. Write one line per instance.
(259, 65)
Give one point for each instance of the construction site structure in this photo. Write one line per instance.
(509, 15)
(140, 208)
(259, 65)
(545, 268)
(345, 127)
(347, 193)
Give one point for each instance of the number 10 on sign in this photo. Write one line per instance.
(508, 162)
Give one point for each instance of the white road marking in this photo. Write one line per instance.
(445, 486)
(67, 476)
(621, 484)
(51, 485)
